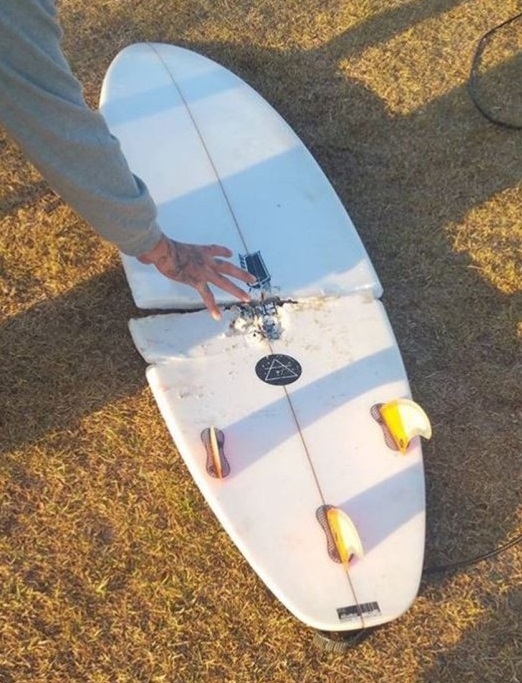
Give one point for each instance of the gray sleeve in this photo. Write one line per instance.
(43, 109)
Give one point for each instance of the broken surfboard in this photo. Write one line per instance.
(293, 413)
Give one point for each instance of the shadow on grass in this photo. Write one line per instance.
(488, 651)
(66, 358)
(14, 199)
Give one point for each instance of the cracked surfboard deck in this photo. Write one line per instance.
(277, 408)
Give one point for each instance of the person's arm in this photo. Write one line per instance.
(43, 109)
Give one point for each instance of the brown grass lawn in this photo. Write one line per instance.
(112, 569)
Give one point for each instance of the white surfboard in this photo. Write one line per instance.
(224, 168)
(293, 414)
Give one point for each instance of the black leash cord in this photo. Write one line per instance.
(472, 82)
(474, 560)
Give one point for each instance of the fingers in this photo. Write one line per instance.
(234, 271)
(217, 278)
(215, 269)
(228, 286)
(209, 301)
(218, 250)
(225, 267)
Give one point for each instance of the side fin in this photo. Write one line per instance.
(217, 464)
(401, 420)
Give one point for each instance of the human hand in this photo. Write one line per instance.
(197, 266)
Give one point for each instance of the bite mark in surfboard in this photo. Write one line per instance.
(263, 320)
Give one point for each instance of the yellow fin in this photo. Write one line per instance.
(345, 535)
(405, 419)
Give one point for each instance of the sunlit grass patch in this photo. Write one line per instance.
(491, 235)
(414, 66)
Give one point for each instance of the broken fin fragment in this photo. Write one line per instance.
(401, 420)
(217, 464)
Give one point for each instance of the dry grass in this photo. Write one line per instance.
(111, 567)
